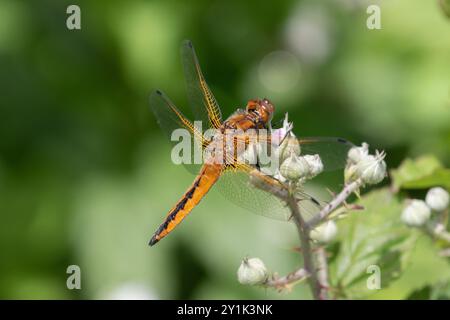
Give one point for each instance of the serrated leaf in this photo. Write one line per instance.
(425, 268)
(373, 236)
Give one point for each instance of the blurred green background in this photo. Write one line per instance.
(85, 173)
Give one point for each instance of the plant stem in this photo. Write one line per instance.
(305, 245)
(322, 271)
(333, 204)
(437, 231)
(318, 278)
(283, 282)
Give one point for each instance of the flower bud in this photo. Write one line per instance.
(416, 213)
(437, 199)
(372, 168)
(356, 154)
(252, 271)
(294, 168)
(315, 164)
(278, 135)
(350, 173)
(289, 146)
(325, 232)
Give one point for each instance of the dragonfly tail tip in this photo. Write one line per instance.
(153, 241)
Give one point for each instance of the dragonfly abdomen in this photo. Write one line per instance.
(202, 184)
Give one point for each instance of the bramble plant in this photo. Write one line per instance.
(376, 234)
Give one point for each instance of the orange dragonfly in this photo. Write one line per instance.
(230, 175)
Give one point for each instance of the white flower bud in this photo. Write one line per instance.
(350, 173)
(372, 168)
(356, 154)
(294, 168)
(437, 199)
(325, 232)
(252, 271)
(416, 213)
(315, 164)
(289, 146)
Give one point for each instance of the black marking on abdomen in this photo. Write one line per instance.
(180, 206)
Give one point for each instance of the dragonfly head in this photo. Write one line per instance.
(263, 107)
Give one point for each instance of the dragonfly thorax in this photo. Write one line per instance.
(257, 115)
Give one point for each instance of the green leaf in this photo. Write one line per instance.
(374, 236)
(439, 177)
(425, 268)
(423, 293)
(439, 291)
(423, 172)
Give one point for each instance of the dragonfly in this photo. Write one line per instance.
(231, 176)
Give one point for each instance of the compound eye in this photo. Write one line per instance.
(265, 102)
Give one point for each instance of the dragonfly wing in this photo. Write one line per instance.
(170, 118)
(332, 151)
(236, 186)
(203, 103)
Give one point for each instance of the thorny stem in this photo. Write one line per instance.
(306, 251)
(322, 270)
(333, 204)
(318, 278)
(284, 282)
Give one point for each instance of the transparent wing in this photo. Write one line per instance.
(332, 151)
(236, 184)
(203, 103)
(237, 187)
(170, 118)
